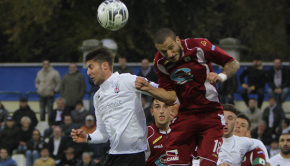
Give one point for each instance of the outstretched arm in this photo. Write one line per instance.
(168, 97)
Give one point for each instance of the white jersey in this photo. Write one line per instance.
(278, 160)
(234, 149)
(120, 116)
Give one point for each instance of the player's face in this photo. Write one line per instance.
(171, 49)
(284, 144)
(95, 72)
(230, 119)
(160, 111)
(241, 128)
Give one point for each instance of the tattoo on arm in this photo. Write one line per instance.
(231, 68)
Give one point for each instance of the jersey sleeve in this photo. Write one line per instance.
(100, 135)
(213, 53)
(258, 157)
(164, 80)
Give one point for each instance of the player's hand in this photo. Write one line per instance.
(141, 84)
(213, 77)
(79, 135)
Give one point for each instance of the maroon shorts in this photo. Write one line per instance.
(188, 130)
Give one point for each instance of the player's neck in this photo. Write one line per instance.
(285, 156)
(163, 127)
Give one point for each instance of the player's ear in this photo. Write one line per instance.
(105, 66)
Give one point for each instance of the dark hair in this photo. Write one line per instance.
(100, 55)
(231, 108)
(243, 116)
(80, 102)
(287, 121)
(162, 34)
(252, 99)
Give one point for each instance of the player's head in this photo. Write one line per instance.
(242, 126)
(161, 114)
(230, 113)
(284, 144)
(100, 64)
(168, 44)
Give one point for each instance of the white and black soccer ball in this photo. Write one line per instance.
(112, 14)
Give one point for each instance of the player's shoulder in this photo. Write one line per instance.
(151, 131)
(191, 43)
(276, 157)
(127, 76)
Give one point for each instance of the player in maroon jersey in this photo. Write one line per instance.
(158, 133)
(255, 157)
(184, 68)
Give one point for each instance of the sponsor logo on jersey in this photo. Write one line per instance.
(172, 152)
(203, 43)
(157, 139)
(175, 158)
(161, 161)
(182, 75)
(158, 146)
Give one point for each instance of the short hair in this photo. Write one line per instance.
(231, 108)
(100, 55)
(25, 118)
(243, 116)
(283, 134)
(162, 34)
(61, 98)
(80, 102)
(287, 121)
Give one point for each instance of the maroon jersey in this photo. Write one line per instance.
(188, 76)
(255, 157)
(157, 140)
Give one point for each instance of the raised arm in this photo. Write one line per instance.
(229, 70)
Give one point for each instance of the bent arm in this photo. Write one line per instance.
(259, 144)
(168, 97)
(231, 68)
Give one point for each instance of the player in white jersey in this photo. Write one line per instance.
(283, 158)
(234, 148)
(119, 112)
(257, 156)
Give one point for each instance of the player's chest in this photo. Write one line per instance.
(158, 142)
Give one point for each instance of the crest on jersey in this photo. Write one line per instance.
(116, 89)
(203, 43)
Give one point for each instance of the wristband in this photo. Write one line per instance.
(223, 76)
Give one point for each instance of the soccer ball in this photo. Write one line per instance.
(112, 14)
